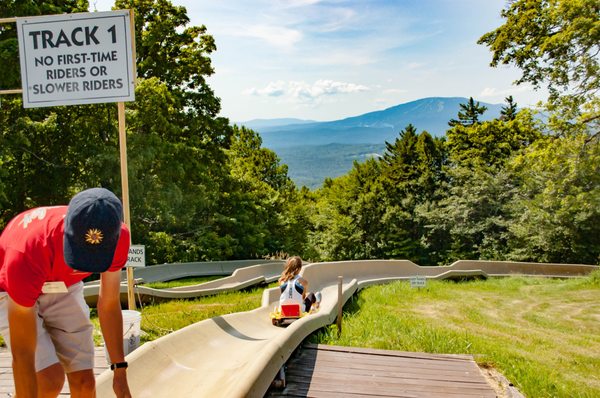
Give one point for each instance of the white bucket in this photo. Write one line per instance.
(131, 332)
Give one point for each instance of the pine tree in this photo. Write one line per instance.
(469, 113)
(509, 112)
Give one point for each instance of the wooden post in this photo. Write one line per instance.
(124, 174)
(340, 305)
(13, 91)
(125, 189)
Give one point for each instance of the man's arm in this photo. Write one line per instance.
(111, 323)
(23, 340)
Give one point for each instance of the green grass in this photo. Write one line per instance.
(542, 334)
(195, 280)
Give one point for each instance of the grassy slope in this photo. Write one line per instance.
(543, 335)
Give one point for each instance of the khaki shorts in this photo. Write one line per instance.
(64, 330)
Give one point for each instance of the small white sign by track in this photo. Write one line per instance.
(417, 281)
(72, 59)
(137, 256)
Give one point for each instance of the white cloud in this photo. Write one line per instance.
(277, 36)
(298, 3)
(304, 92)
(273, 89)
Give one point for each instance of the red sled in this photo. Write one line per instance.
(286, 312)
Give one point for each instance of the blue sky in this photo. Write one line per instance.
(326, 60)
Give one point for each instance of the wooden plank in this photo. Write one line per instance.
(360, 363)
(390, 389)
(331, 371)
(381, 382)
(401, 356)
(6, 374)
(406, 374)
(290, 392)
(346, 391)
(382, 352)
(356, 361)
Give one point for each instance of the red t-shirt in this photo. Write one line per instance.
(31, 253)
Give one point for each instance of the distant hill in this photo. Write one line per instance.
(431, 114)
(314, 151)
(260, 124)
(309, 165)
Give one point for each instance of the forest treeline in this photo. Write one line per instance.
(520, 187)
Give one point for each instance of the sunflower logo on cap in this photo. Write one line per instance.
(94, 236)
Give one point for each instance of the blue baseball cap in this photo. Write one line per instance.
(91, 230)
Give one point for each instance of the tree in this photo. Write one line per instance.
(469, 115)
(411, 170)
(491, 143)
(39, 166)
(555, 215)
(265, 217)
(347, 219)
(177, 54)
(250, 161)
(471, 220)
(509, 112)
(400, 158)
(10, 77)
(554, 42)
(181, 189)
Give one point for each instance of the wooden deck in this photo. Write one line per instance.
(331, 371)
(7, 388)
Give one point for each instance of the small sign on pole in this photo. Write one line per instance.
(71, 59)
(417, 281)
(137, 256)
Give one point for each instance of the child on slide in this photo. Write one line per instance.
(294, 288)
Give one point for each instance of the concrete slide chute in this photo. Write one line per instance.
(242, 277)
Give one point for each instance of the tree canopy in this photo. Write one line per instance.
(554, 42)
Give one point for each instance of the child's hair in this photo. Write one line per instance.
(292, 267)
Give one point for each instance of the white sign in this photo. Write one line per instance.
(417, 281)
(71, 59)
(137, 256)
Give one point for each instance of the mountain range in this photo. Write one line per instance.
(430, 114)
(315, 150)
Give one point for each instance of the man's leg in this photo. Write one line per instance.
(66, 319)
(82, 384)
(51, 377)
(50, 381)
